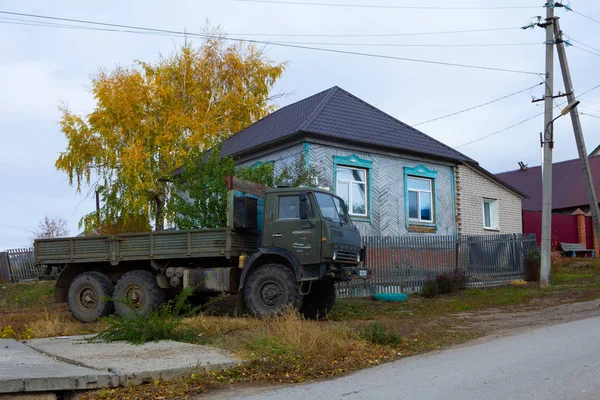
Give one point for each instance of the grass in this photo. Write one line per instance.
(358, 334)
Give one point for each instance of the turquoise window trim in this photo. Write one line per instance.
(260, 164)
(421, 171)
(307, 155)
(453, 188)
(355, 161)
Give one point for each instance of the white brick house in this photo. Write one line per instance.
(485, 205)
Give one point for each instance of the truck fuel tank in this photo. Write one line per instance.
(212, 280)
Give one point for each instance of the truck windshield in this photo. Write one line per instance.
(332, 208)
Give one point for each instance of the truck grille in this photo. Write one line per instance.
(346, 256)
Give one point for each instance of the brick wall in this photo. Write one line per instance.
(471, 188)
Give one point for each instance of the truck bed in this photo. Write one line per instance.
(185, 244)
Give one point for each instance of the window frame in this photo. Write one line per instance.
(355, 162)
(419, 191)
(494, 214)
(350, 184)
(422, 172)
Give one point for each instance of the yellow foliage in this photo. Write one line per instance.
(149, 116)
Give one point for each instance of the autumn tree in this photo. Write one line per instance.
(149, 116)
(51, 227)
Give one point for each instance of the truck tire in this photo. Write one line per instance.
(87, 293)
(137, 292)
(269, 289)
(319, 301)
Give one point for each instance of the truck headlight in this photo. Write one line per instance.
(334, 255)
(358, 258)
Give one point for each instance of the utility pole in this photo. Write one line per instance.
(548, 144)
(583, 157)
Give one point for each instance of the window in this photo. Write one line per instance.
(351, 186)
(289, 207)
(490, 214)
(420, 199)
(332, 208)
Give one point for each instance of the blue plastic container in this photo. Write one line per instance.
(393, 297)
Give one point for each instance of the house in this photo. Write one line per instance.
(571, 217)
(395, 179)
(569, 190)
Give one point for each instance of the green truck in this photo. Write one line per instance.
(281, 246)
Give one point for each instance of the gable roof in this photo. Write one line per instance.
(568, 184)
(339, 115)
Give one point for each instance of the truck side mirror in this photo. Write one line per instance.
(303, 214)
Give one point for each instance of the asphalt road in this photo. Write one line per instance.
(557, 362)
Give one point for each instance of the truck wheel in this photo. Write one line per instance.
(86, 296)
(269, 289)
(320, 301)
(137, 293)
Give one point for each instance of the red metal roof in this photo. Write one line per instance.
(568, 185)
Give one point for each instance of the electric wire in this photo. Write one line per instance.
(499, 131)
(11, 21)
(305, 3)
(16, 227)
(240, 40)
(478, 106)
(357, 35)
(520, 122)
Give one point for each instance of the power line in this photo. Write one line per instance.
(33, 23)
(15, 21)
(585, 16)
(207, 36)
(586, 50)
(521, 122)
(16, 227)
(305, 3)
(583, 44)
(416, 45)
(590, 115)
(378, 34)
(478, 106)
(500, 131)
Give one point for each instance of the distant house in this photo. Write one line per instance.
(571, 221)
(569, 190)
(595, 152)
(396, 179)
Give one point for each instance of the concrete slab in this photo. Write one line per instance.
(137, 364)
(23, 369)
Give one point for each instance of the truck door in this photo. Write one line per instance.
(300, 236)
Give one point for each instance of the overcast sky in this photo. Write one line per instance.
(42, 66)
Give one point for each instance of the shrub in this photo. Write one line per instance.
(449, 282)
(377, 333)
(534, 259)
(430, 288)
(163, 323)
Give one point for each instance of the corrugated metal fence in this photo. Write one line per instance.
(18, 265)
(403, 264)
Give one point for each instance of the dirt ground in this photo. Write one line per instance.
(495, 323)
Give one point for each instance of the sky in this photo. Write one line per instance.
(42, 67)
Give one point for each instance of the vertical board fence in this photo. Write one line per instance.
(403, 264)
(21, 266)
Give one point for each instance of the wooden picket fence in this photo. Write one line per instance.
(18, 265)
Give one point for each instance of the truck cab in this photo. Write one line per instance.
(313, 225)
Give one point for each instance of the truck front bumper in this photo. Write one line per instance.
(349, 273)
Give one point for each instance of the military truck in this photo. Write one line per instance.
(281, 246)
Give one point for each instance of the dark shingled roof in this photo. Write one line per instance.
(337, 114)
(568, 184)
